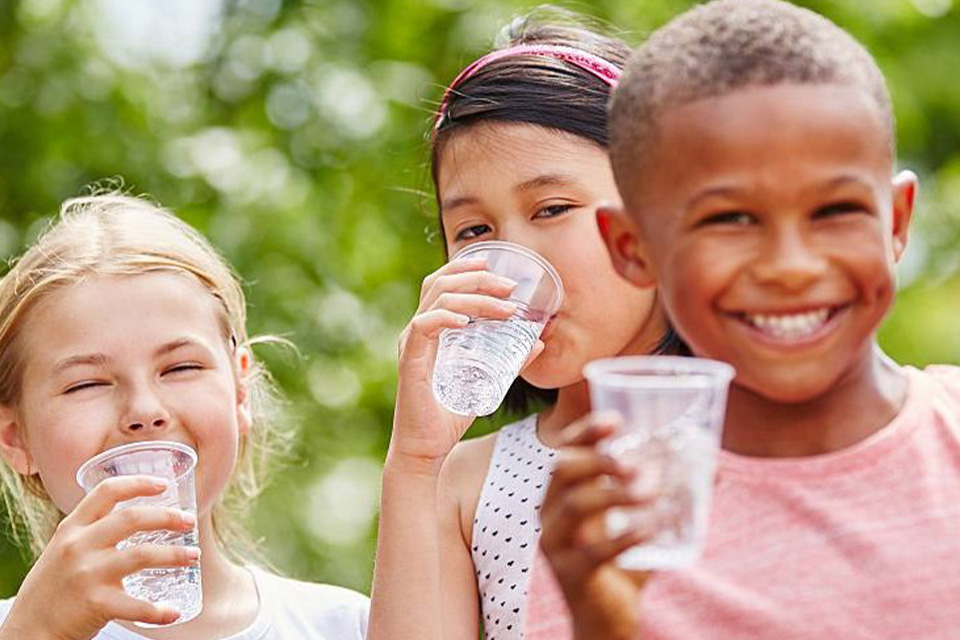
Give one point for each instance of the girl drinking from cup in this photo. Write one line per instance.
(122, 324)
(519, 155)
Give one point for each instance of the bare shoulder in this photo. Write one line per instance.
(461, 481)
(467, 465)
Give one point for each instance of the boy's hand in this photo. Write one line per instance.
(423, 431)
(75, 588)
(602, 597)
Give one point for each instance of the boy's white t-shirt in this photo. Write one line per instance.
(289, 610)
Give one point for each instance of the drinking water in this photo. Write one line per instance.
(477, 364)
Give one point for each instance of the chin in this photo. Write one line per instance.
(547, 373)
(789, 390)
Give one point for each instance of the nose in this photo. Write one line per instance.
(145, 412)
(790, 261)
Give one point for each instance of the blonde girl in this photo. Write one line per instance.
(122, 324)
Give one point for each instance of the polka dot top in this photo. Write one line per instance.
(506, 526)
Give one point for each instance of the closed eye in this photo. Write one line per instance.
(734, 218)
(86, 384)
(840, 208)
(184, 367)
(472, 232)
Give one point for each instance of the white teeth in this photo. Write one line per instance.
(793, 326)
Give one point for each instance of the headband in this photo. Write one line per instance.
(595, 65)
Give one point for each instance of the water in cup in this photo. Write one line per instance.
(672, 412)
(480, 361)
(677, 466)
(476, 365)
(176, 587)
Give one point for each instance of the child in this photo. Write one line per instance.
(122, 324)
(753, 145)
(519, 154)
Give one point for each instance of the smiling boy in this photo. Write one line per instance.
(753, 145)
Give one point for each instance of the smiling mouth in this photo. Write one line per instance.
(791, 326)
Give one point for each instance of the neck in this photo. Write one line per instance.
(230, 601)
(573, 401)
(861, 403)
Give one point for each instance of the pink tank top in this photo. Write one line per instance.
(862, 543)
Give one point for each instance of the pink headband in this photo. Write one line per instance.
(590, 63)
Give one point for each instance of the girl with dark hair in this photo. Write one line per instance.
(519, 154)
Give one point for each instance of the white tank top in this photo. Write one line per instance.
(506, 526)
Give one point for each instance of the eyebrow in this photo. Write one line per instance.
(99, 359)
(94, 359)
(545, 180)
(732, 191)
(175, 345)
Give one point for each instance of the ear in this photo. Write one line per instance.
(13, 446)
(243, 364)
(621, 235)
(905, 185)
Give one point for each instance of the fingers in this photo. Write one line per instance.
(475, 305)
(591, 429)
(574, 516)
(133, 610)
(426, 327)
(471, 277)
(591, 556)
(105, 496)
(149, 556)
(123, 523)
(450, 268)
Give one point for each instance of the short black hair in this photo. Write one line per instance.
(720, 47)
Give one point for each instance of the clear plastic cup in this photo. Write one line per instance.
(178, 588)
(476, 365)
(672, 410)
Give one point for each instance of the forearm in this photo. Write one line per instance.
(406, 584)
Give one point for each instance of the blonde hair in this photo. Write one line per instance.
(115, 234)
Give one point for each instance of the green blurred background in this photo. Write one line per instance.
(292, 133)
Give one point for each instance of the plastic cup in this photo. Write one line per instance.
(476, 365)
(178, 588)
(672, 410)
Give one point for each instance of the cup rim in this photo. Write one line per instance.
(640, 372)
(133, 447)
(527, 252)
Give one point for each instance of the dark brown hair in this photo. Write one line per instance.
(543, 91)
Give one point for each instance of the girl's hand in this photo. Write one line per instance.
(75, 588)
(602, 597)
(423, 431)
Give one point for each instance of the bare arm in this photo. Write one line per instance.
(406, 584)
(407, 588)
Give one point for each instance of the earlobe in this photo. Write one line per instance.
(13, 446)
(905, 185)
(624, 245)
